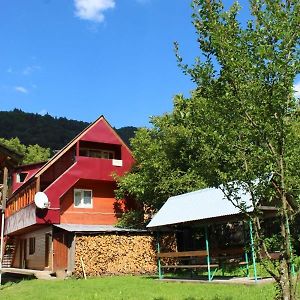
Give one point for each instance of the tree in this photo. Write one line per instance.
(36, 153)
(31, 153)
(162, 163)
(244, 78)
(241, 126)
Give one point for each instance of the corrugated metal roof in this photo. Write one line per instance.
(95, 228)
(199, 205)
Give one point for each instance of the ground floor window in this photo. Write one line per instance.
(31, 245)
(83, 198)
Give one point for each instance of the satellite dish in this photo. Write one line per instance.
(41, 200)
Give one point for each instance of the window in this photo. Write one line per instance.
(97, 153)
(31, 245)
(21, 177)
(83, 198)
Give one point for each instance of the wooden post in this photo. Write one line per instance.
(77, 148)
(246, 253)
(4, 195)
(38, 184)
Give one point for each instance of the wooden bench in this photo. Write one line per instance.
(191, 258)
(231, 257)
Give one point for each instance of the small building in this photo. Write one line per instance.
(202, 243)
(79, 182)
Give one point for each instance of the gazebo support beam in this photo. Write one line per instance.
(208, 256)
(291, 248)
(253, 251)
(160, 276)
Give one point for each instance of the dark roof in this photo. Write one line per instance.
(9, 155)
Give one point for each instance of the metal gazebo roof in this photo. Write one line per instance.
(199, 205)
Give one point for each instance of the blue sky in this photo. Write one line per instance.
(83, 58)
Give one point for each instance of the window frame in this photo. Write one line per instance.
(18, 177)
(82, 204)
(101, 152)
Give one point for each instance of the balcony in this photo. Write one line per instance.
(97, 168)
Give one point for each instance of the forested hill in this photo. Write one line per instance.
(46, 131)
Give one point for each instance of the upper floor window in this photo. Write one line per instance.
(83, 198)
(21, 177)
(98, 153)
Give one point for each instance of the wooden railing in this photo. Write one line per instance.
(21, 200)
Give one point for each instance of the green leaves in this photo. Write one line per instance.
(32, 153)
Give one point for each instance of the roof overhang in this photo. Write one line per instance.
(82, 228)
(202, 205)
(9, 157)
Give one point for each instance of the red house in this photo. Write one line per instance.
(79, 183)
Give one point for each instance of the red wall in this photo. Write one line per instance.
(30, 169)
(104, 205)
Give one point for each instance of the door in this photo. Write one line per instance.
(23, 253)
(47, 249)
(60, 251)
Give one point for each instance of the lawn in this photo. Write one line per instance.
(130, 287)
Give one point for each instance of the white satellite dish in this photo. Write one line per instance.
(41, 200)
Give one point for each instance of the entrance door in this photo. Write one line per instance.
(47, 249)
(60, 251)
(23, 253)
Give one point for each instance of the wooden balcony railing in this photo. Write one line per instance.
(21, 200)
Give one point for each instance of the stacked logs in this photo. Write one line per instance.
(107, 254)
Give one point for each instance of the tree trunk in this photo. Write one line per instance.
(285, 285)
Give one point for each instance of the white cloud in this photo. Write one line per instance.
(92, 10)
(21, 89)
(297, 89)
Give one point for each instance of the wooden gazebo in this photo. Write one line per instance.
(204, 208)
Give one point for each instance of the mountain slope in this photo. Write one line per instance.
(46, 131)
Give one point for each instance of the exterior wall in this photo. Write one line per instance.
(29, 169)
(105, 209)
(23, 218)
(106, 254)
(58, 168)
(35, 261)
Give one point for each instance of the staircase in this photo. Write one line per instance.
(9, 252)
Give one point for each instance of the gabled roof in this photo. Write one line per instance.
(199, 205)
(82, 135)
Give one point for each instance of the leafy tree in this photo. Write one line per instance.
(163, 166)
(36, 153)
(14, 144)
(241, 126)
(32, 153)
(250, 110)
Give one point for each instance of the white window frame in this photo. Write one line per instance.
(82, 204)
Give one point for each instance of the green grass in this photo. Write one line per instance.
(131, 287)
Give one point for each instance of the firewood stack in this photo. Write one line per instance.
(115, 254)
